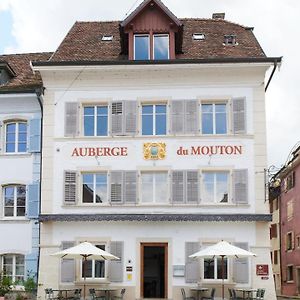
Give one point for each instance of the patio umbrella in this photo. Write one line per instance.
(222, 249)
(86, 251)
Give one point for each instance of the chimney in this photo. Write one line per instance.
(218, 16)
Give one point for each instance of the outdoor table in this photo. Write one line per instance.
(107, 291)
(199, 290)
(247, 292)
(63, 293)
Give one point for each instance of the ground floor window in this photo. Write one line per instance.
(289, 273)
(13, 266)
(94, 269)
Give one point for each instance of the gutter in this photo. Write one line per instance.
(273, 71)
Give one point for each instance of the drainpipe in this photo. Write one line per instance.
(273, 71)
(39, 92)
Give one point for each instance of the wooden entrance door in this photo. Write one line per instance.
(154, 270)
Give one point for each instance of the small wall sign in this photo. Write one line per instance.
(262, 270)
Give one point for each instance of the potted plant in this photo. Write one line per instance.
(5, 285)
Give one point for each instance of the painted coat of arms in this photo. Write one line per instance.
(154, 151)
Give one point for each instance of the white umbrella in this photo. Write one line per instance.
(222, 249)
(86, 251)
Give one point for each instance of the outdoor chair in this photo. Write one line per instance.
(234, 295)
(212, 295)
(94, 296)
(49, 294)
(121, 297)
(260, 294)
(77, 294)
(184, 297)
(230, 294)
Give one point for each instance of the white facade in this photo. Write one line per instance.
(19, 168)
(147, 84)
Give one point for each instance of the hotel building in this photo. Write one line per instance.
(154, 146)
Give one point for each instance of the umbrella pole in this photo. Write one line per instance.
(222, 277)
(84, 261)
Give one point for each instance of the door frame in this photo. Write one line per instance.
(142, 247)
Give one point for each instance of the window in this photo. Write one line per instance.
(275, 258)
(214, 118)
(289, 241)
(230, 39)
(154, 187)
(289, 181)
(95, 120)
(298, 242)
(161, 46)
(141, 47)
(14, 200)
(215, 187)
(13, 266)
(198, 36)
(94, 269)
(290, 273)
(16, 137)
(273, 231)
(94, 188)
(154, 119)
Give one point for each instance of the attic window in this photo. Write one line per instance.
(230, 39)
(198, 36)
(107, 38)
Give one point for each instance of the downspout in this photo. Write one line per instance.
(271, 76)
(39, 92)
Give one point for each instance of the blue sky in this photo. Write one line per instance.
(6, 27)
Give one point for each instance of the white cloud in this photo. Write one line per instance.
(41, 25)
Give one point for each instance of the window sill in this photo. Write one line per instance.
(14, 219)
(16, 154)
(93, 281)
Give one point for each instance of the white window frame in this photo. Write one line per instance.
(214, 103)
(17, 122)
(14, 265)
(15, 186)
(153, 202)
(94, 173)
(93, 278)
(149, 50)
(230, 186)
(161, 34)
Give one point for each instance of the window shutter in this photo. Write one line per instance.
(293, 240)
(33, 200)
(191, 118)
(177, 116)
(178, 186)
(192, 267)
(241, 266)
(116, 266)
(71, 119)
(34, 135)
(2, 137)
(70, 183)
(240, 186)
(117, 118)
(239, 115)
(130, 117)
(130, 179)
(192, 187)
(116, 187)
(67, 267)
(31, 263)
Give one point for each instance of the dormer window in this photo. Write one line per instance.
(230, 39)
(157, 49)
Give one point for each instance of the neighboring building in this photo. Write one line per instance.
(20, 124)
(154, 146)
(288, 199)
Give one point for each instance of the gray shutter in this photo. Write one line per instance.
(241, 266)
(191, 118)
(33, 200)
(117, 118)
(240, 186)
(2, 137)
(71, 119)
(67, 267)
(130, 117)
(31, 263)
(116, 181)
(239, 115)
(116, 266)
(130, 181)
(178, 186)
(192, 187)
(35, 135)
(192, 266)
(70, 187)
(177, 117)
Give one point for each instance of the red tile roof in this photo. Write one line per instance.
(25, 78)
(83, 42)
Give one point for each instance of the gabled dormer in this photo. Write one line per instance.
(151, 32)
(6, 73)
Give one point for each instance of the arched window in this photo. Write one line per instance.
(14, 200)
(13, 266)
(16, 137)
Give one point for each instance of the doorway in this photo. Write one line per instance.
(298, 279)
(154, 266)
